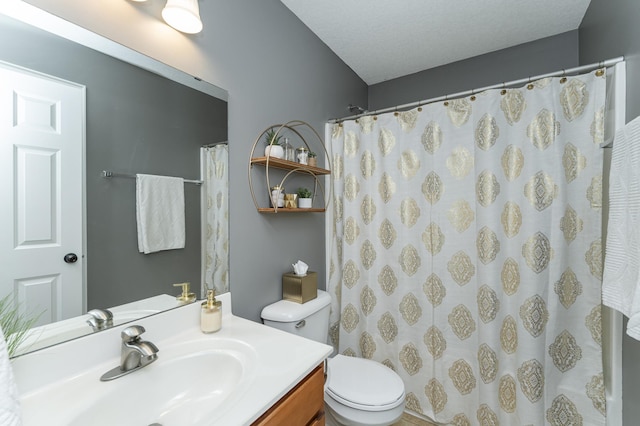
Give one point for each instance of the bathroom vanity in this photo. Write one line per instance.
(303, 405)
(245, 374)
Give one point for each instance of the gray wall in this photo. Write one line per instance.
(136, 122)
(275, 70)
(610, 29)
(529, 59)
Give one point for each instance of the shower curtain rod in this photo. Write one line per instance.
(582, 68)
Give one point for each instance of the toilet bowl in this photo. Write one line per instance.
(357, 392)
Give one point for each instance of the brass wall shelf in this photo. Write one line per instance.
(284, 210)
(291, 167)
(279, 163)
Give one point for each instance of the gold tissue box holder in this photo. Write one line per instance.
(298, 288)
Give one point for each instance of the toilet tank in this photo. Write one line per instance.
(310, 319)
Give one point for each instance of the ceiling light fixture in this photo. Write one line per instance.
(183, 15)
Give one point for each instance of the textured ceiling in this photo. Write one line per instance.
(385, 39)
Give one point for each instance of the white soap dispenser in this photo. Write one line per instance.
(211, 314)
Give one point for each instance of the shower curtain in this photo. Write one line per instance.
(466, 252)
(215, 212)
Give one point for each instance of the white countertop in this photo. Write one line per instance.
(281, 360)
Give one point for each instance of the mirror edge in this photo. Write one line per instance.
(29, 14)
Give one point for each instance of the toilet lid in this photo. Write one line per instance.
(363, 384)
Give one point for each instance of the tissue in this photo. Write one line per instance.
(300, 268)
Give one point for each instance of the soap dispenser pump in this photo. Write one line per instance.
(211, 314)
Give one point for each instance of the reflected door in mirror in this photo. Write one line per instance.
(41, 174)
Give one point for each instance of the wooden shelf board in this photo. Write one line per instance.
(283, 210)
(279, 163)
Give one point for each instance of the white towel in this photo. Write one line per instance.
(159, 213)
(10, 414)
(621, 278)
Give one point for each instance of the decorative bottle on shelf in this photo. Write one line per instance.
(289, 152)
(303, 155)
(211, 314)
(277, 196)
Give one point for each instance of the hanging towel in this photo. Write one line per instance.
(621, 278)
(159, 213)
(10, 414)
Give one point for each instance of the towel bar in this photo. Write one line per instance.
(107, 174)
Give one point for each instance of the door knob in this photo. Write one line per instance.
(71, 258)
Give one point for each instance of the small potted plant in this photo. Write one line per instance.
(304, 198)
(273, 148)
(313, 159)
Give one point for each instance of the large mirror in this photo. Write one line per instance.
(136, 121)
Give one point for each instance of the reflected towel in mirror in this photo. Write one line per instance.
(160, 213)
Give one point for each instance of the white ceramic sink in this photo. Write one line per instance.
(228, 378)
(187, 385)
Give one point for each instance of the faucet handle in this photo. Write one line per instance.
(132, 333)
(100, 319)
(186, 296)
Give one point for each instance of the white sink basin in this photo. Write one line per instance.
(187, 385)
(228, 378)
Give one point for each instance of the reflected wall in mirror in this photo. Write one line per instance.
(136, 122)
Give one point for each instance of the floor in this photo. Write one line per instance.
(409, 420)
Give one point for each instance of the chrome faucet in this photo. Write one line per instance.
(100, 319)
(136, 353)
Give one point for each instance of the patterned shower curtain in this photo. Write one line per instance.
(466, 252)
(216, 229)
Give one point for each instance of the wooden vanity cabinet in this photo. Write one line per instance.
(302, 406)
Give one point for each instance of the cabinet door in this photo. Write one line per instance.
(302, 406)
(319, 421)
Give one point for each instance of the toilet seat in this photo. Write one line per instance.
(363, 384)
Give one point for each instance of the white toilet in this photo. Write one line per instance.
(357, 392)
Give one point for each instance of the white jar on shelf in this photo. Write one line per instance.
(302, 155)
(277, 196)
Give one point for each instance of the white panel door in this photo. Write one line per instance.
(41, 188)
